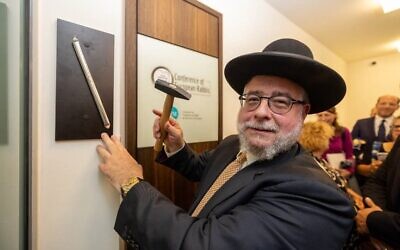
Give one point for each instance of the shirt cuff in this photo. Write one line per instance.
(173, 153)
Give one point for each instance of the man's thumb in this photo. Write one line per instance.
(369, 202)
(169, 128)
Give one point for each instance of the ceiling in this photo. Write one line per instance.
(352, 29)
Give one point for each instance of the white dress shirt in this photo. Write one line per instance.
(388, 123)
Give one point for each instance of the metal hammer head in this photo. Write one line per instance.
(172, 89)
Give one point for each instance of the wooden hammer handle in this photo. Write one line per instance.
(169, 101)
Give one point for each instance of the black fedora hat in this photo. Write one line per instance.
(293, 60)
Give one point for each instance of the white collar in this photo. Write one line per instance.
(380, 118)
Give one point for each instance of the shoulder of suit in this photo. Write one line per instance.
(368, 119)
(229, 144)
(230, 139)
(307, 167)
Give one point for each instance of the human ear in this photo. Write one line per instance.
(306, 109)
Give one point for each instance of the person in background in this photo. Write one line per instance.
(340, 142)
(315, 138)
(258, 189)
(373, 131)
(394, 133)
(387, 145)
(372, 113)
(380, 219)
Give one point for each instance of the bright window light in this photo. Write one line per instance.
(389, 5)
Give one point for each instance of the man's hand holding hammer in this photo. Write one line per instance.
(120, 167)
(174, 139)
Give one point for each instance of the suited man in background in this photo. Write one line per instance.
(257, 190)
(372, 129)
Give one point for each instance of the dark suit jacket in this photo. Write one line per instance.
(384, 189)
(364, 129)
(285, 203)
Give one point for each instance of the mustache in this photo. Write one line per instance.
(267, 126)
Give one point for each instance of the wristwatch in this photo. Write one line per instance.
(128, 185)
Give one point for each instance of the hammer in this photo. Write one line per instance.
(172, 91)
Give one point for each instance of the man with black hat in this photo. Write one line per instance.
(257, 190)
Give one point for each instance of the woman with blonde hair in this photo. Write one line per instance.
(394, 133)
(315, 138)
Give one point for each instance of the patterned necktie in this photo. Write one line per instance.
(228, 172)
(382, 131)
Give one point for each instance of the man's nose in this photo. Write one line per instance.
(263, 110)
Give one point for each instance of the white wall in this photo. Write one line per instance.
(74, 206)
(367, 82)
(249, 26)
(10, 153)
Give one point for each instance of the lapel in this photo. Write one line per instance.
(242, 179)
(214, 171)
(371, 127)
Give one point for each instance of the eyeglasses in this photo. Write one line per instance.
(278, 104)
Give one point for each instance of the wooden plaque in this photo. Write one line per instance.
(77, 116)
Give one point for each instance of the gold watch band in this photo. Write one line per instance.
(128, 185)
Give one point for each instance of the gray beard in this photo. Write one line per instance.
(282, 143)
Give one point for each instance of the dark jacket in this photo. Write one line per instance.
(364, 129)
(285, 203)
(384, 189)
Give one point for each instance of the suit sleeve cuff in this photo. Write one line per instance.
(173, 153)
(380, 224)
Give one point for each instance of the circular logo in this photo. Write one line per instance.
(162, 73)
(174, 113)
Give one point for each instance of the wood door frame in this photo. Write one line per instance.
(131, 91)
(131, 76)
(131, 31)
